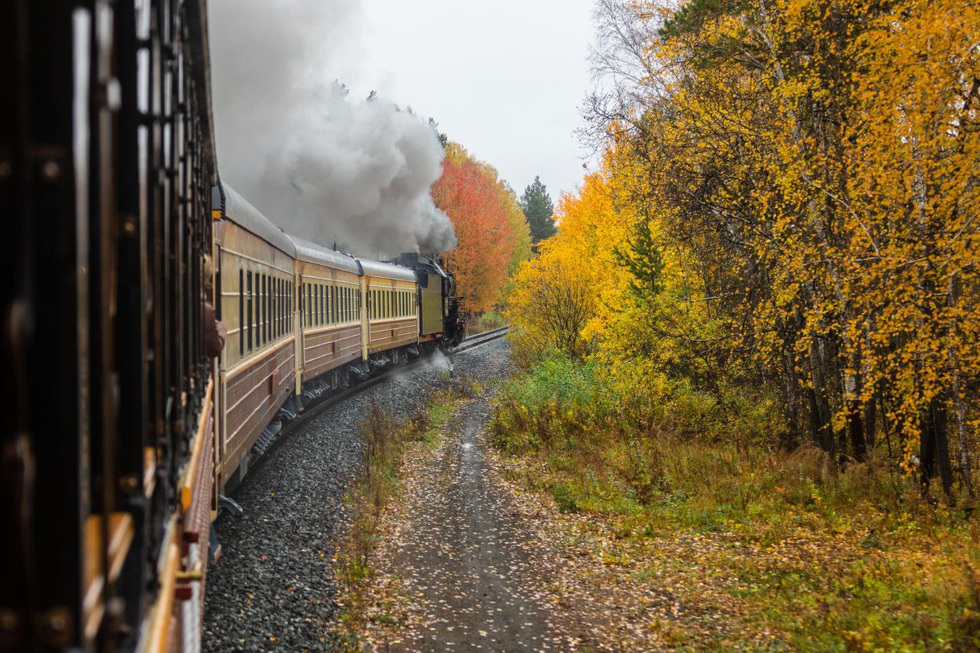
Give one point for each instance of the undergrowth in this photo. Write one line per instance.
(484, 322)
(823, 558)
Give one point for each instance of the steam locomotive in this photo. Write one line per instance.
(119, 433)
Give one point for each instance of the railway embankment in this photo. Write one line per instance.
(276, 585)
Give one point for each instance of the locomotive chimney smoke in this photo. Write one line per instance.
(290, 139)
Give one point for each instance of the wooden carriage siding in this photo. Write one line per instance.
(253, 394)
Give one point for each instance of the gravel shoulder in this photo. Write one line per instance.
(457, 566)
(275, 586)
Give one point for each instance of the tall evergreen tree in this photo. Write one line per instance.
(538, 209)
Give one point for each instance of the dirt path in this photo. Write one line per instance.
(456, 565)
(461, 552)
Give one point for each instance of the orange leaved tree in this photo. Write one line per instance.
(482, 209)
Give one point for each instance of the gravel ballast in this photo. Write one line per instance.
(275, 585)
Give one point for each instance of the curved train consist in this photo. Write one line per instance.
(119, 433)
(303, 320)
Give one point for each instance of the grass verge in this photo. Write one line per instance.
(746, 545)
(484, 322)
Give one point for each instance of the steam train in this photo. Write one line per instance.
(303, 320)
(119, 433)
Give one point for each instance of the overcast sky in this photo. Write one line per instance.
(506, 79)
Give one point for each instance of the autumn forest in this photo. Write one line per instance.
(752, 344)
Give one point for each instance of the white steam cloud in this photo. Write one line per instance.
(324, 167)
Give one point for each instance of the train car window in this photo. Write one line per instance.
(349, 295)
(276, 307)
(249, 312)
(334, 305)
(241, 313)
(264, 313)
(309, 305)
(217, 298)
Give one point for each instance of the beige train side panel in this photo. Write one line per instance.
(332, 334)
(258, 363)
(392, 314)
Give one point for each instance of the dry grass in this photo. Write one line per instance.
(760, 547)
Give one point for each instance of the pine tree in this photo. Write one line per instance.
(538, 209)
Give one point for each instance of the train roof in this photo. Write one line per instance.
(386, 270)
(237, 209)
(313, 253)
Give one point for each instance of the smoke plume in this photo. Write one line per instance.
(317, 163)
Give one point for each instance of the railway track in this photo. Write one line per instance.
(481, 338)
